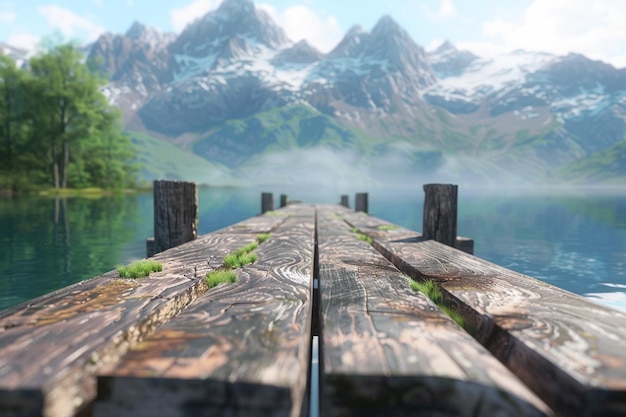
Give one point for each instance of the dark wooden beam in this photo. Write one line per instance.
(267, 202)
(361, 202)
(440, 213)
(175, 214)
(388, 350)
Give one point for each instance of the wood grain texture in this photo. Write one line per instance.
(241, 349)
(387, 350)
(566, 348)
(51, 347)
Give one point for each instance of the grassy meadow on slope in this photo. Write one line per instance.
(162, 160)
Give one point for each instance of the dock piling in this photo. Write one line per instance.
(344, 201)
(361, 203)
(175, 214)
(440, 213)
(267, 202)
(283, 200)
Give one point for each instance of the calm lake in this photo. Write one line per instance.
(576, 241)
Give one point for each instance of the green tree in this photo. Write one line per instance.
(12, 107)
(72, 121)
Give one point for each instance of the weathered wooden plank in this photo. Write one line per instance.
(51, 348)
(387, 350)
(240, 349)
(566, 348)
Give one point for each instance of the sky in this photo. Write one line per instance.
(594, 28)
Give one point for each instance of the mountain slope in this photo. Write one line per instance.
(162, 160)
(234, 88)
(607, 166)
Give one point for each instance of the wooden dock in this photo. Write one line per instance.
(167, 345)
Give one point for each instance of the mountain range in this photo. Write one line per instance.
(234, 97)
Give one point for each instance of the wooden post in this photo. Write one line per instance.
(440, 213)
(150, 247)
(283, 200)
(360, 203)
(175, 213)
(267, 202)
(344, 201)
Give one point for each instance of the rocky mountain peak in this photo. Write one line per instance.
(386, 26)
(137, 30)
(144, 34)
(233, 18)
(351, 45)
(231, 7)
(301, 53)
(445, 47)
(389, 42)
(354, 31)
(448, 61)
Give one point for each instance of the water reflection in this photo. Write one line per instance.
(577, 242)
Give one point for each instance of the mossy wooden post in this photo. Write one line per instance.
(283, 200)
(360, 203)
(175, 213)
(267, 202)
(344, 201)
(440, 213)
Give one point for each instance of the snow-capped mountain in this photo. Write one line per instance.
(19, 55)
(233, 87)
(578, 103)
(235, 62)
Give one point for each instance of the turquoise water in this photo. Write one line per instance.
(576, 241)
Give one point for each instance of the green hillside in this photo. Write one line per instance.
(607, 167)
(162, 160)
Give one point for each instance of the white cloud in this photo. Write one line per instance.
(593, 28)
(70, 24)
(7, 17)
(446, 10)
(301, 22)
(182, 16)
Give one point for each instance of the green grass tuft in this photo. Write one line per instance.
(263, 237)
(242, 256)
(363, 237)
(139, 269)
(387, 227)
(214, 278)
(234, 260)
(432, 291)
(248, 258)
(246, 249)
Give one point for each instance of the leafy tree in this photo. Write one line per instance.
(56, 128)
(73, 120)
(12, 81)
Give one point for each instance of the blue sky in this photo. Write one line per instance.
(486, 27)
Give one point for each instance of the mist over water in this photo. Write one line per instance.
(394, 165)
